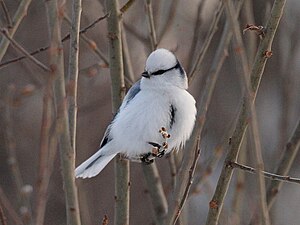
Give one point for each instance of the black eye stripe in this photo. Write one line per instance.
(160, 72)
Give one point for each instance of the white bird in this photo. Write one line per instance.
(158, 100)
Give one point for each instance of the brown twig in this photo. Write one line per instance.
(245, 83)
(21, 192)
(189, 182)
(91, 44)
(271, 176)
(151, 26)
(9, 208)
(22, 50)
(202, 106)
(42, 49)
(6, 14)
(156, 191)
(285, 164)
(44, 173)
(18, 17)
(126, 6)
(67, 153)
(122, 185)
(256, 74)
(212, 30)
(2, 216)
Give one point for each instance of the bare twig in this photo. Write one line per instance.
(212, 30)
(285, 163)
(2, 216)
(245, 83)
(256, 74)
(122, 185)
(18, 17)
(126, 6)
(189, 183)
(128, 70)
(67, 153)
(44, 174)
(73, 70)
(21, 192)
(155, 188)
(271, 176)
(67, 37)
(6, 14)
(91, 44)
(21, 49)
(9, 208)
(151, 25)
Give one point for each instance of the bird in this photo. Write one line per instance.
(157, 103)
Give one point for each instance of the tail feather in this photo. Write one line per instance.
(93, 165)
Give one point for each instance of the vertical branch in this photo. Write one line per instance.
(73, 69)
(156, 192)
(19, 15)
(67, 154)
(6, 14)
(285, 164)
(9, 208)
(216, 203)
(202, 107)
(43, 174)
(245, 83)
(22, 192)
(2, 216)
(118, 90)
(151, 24)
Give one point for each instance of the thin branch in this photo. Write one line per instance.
(245, 83)
(151, 25)
(44, 175)
(202, 106)
(155, 188)
(6, 14)
(92, 44)
(285, 164)
(126, 6)
(2, 216)
(42, 49)
(122, 185)
(21, 49)
(18, 17)
(22, 193)
(268, 175)
(212, 30)
(216, 203)
(67, 153)
(189, 182)
(9, 208)
(73, 70)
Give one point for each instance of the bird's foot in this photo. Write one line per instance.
(145, 158)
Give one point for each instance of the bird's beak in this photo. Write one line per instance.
(146, 74)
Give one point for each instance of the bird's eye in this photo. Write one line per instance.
(159, 72)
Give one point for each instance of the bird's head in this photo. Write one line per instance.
(163, 69)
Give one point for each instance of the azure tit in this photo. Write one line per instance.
(159, 99)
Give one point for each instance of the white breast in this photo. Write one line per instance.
(139, 122)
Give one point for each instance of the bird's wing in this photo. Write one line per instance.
(129, 96)
(133, 91)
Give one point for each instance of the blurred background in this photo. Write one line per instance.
(181, 26)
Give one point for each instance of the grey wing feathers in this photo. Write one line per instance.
(133, 91)
(129, 96)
